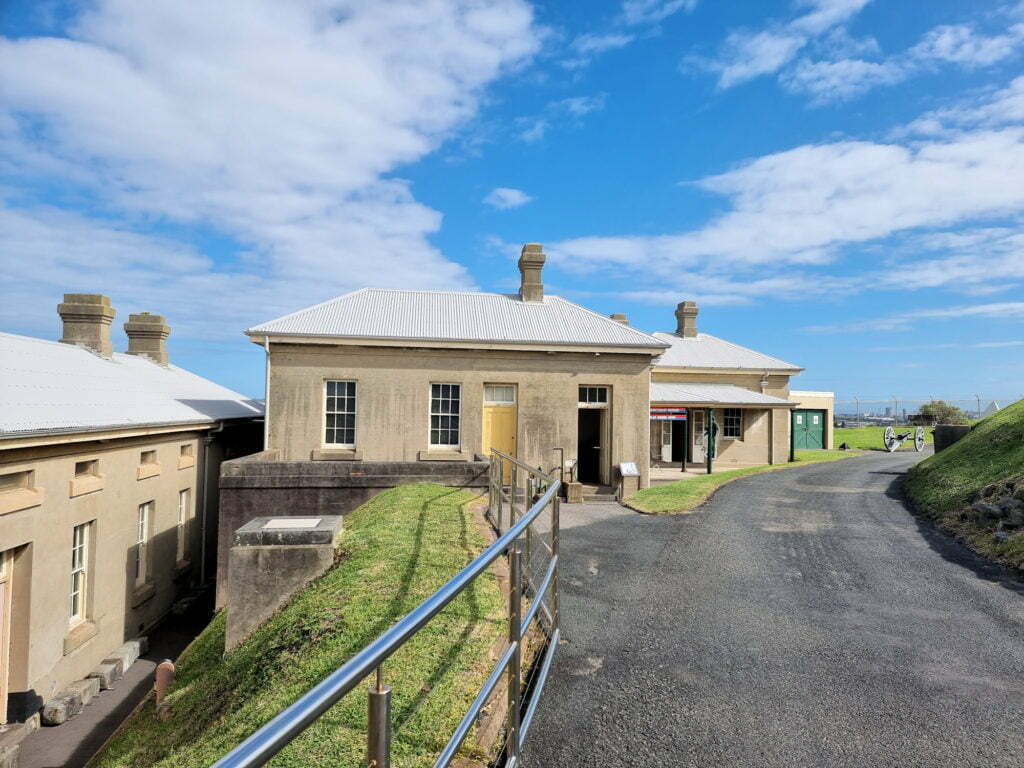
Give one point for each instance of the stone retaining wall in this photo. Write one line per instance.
(261, 486)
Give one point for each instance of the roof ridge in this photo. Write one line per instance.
(306, 309)
(605, 317)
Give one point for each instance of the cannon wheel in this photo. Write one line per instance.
(919, 439)
(891, 443)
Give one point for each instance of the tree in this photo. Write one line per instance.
(941, 412)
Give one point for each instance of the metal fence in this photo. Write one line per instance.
(526, 539)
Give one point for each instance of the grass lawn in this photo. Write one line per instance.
(870, 438)
(398, 549)
(684, 495)
(990, 457)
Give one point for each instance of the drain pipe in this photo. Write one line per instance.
(266, 395)
(207, 442)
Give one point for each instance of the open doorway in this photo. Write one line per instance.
(588, 445)
(679, 441)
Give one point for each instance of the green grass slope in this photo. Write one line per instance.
(980, 464)
(397, 550)
(689, 493)
(870, 438)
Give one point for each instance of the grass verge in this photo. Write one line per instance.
(988, 463)
(870, 438)
(397, 550)
(684, 495)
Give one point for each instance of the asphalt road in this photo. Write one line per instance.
(801, 618)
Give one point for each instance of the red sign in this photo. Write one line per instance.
(668, 414)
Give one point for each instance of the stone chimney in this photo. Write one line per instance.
(686, 319)
(531, 262)
(618, 317)
(87, 318)
(147, 336)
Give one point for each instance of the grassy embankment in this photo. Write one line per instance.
(870, 438)
(396, 550)
(685, 495)
(985, 465)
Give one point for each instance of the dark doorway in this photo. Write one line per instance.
(679, 441)
(588, 446)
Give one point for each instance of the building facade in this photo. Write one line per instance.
(108, 493)
(445, 376)
(701, 381)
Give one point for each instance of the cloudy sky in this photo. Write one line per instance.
(838, 182)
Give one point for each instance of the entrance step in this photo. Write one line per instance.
(598, 493)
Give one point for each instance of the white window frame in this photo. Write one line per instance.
(457, 445)
(79, 587)
(142, 527)
(489, 390)
(354, 413)
(725, 423)
(184, 516)
(587, 403)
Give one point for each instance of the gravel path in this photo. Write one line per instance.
(802, 618)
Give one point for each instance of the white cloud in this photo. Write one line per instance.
(563, 112)
(1006, 310)
(961, 44)
(580, 105)
(838, 80)
(1001, 107)
(591, 44)
(653, 11)
(271, 124)
(504, 198)
(747, 54)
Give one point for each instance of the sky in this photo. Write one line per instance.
(839, 183)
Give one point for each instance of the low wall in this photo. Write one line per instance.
(261, 486)
(947, 434)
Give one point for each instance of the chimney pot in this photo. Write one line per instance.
(87, 318)
(618, 317)
(531, 263)
(686, 319)
(147, 336)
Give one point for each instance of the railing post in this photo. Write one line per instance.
(515, 492)
(378, 736)
(555, 521)
(514, 617)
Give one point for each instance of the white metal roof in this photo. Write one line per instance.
(46, 386)
(712, 394)
(707, 351)
(380, 313)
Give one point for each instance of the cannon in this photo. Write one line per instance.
(894, 441)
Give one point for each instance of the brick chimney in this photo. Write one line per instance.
(531, 262)
(686, 319)
(147, 336)
(618, 317)
(87, 318)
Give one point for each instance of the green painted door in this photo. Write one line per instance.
(808, 430)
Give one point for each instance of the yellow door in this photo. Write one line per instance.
(500, 431)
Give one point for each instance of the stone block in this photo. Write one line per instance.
(108, 673)
(87, 689)
(574, 493)
(130, 652)
(61, 708)
(986, 510)
(122, 656)
(1011, 506)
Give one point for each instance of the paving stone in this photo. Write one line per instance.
(61, 708)
(108, 673)
(9, 756)
(87, 689)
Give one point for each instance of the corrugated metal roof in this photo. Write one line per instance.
(379, 313)
(712, 394)
(46, 386)
(707, 351)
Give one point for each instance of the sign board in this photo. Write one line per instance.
(668, 414)
(629, 469)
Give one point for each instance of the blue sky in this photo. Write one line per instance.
(839, 183)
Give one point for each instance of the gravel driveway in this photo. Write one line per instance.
(802, 618)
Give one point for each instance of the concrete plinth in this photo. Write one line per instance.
(947, 434)
(272, 559)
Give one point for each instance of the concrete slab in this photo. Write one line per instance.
(275, 531)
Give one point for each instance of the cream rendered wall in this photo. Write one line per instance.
(393, 390)
(42, 536)
(766, 431)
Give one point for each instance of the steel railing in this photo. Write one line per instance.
(525, 506)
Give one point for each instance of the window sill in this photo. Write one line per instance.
(184, 462)
(79, 486)
(142, 594)
(20, 498)
(79, 635)
(441, 455)
(147, 470)
(336, 454)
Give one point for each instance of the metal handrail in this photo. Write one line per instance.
(271, 738)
